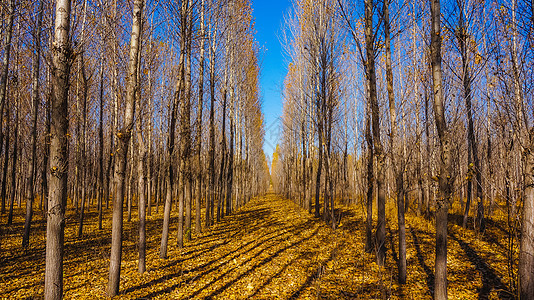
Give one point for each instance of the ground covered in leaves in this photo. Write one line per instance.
(269, 249)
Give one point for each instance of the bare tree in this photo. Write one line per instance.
(57, 196)
(36, 62)
(123, 138)
(440, 290)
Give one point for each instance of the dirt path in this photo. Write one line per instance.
(269, 249)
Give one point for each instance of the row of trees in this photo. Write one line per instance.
(146, 101)
(424, 102)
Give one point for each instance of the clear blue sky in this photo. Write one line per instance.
(269, 17)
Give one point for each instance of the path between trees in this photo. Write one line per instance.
(269, 249)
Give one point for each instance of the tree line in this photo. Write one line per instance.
(426, 103)
(141, 104)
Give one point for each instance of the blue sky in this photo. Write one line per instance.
(269, 17)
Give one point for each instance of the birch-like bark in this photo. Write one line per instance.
(57, 195)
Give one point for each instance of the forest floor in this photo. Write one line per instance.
(269, 249)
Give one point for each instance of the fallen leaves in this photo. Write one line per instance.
(269, 249)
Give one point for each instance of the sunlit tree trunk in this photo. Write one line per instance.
(377, 144)
(123, 140)
(36, 63)
(211, 152)
(57, 196)
(198, 225)
(398, 158)
(5, 64)
(444, 177)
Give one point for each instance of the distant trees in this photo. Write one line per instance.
(311, 110)
(446, 73)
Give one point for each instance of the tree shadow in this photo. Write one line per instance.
(314, 276)
(222, 235)
(490, 280)
(264, 261)
(268, 241)
(429, 274)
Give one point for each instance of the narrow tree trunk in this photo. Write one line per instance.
(377, 144)
(14, 159)
(46, 154)
(398, 158)
(185, 134)
(230, 174)
(5, 64)
(83, 170)
(319, 167)
(440, 289)
(169, 174)
(101, 191)
(6, 161)
(198, 226)
(211, 154)
(123, 140)
(370, 186)
(141, 177)
(223, 160)
(141, 174)
(36, 62)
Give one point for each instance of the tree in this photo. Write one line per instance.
(396, 150)
(57, 196)
(375, 122)
(198, 225)
(444, 177)
(123, 138)
(36, 62)
(5, 69)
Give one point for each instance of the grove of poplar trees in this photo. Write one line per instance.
(122, 105)
(141, 120)
(421, 104)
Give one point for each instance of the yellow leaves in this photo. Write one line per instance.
(270, 249)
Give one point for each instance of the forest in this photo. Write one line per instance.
(133, 163)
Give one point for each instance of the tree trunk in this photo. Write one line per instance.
(230, 174)
(46, 154)
(123, 140)
(57, 195)
(319, 167)
(14, 159)
(6, 161)
(223, 159)
(36, 62)
(370, 187)
(377, 144)
(5, 63)
(185, 134)
(526, 252)
(211, 154)
(397, 155)
(101, 191)
(198, 226)
(141, 177)
(440, 289)
(169, 175)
